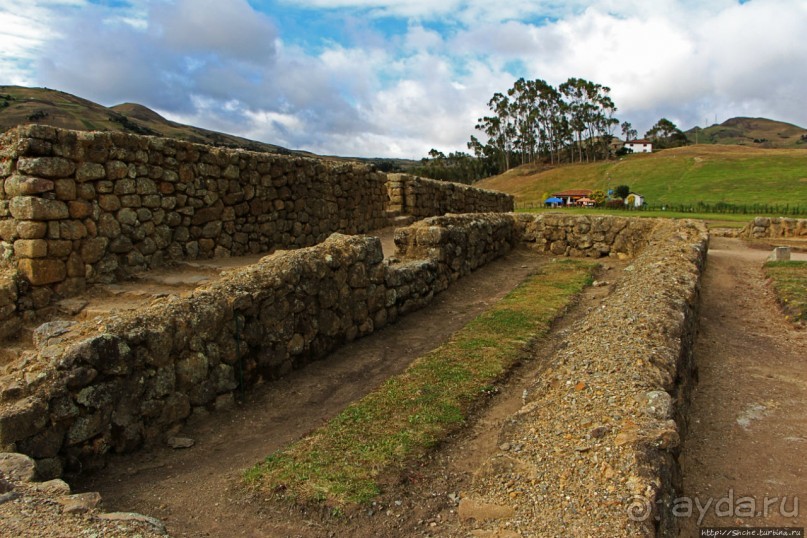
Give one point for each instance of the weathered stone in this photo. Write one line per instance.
(109, 202)
(79, 209)
(65, 189)
(40, 272)
(59, 248)
(30, 248)
(27, 186)
(72, 229)
(116, 170)
(47, 167)
(17, 467)
(191, 370)
(92, 250)
(86, 427)
(90, 172)
(8, 230)
(22, 419)
(80, 503)
(54, 488)
(108, 226)
(45, 444)
(155, 524)
(31, 208)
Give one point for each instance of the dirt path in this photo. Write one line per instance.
(193, 490)
(748, 427)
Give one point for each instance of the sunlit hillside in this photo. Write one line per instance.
(700, 173)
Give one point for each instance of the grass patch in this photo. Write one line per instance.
(719, 220)
(343, 462)
(711, 174)
(789, 280)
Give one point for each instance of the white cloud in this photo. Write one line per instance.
(226, 66)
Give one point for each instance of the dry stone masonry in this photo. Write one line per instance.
(422, 197)
(94, 387)
(776, 227)
(78, 208)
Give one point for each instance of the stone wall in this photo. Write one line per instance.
(765, 227)
(83, 392)
(83, 207)
(610, 409)
(589, 236)
(79, 207)
(421, 197)
(89, 388)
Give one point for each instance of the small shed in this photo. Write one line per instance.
(637, 199)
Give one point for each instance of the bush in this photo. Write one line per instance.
(615, 204)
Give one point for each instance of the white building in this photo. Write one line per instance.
(638, 199)
(639, 146)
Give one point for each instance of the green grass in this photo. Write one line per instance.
(712, 219)
(789, 280)
(710, 174)
(345, 461)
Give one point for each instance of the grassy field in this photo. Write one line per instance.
(343, 462)
(789, 280)
(710, 174)
(711, 219)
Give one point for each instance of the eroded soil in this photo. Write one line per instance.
(746, 437)
(747, 442)
(197, 491)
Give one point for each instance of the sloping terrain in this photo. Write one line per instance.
(759, 132)
(688, 175)
(19, 105)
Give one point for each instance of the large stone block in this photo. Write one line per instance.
(90, 172)
(22, 419)
(47, 167)
(31, 208)
(30, 248)
(40, 272)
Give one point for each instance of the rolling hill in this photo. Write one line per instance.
(757, 132)
(20, 105)
(699, 173)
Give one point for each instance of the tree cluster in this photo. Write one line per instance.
(534, 121)
(459, 167)
(665, 134)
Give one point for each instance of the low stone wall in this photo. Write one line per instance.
(78, 208)
(91, 388)
(86, 392)
(594, 451)
(589, 236)
(421, 197)
(765, 227)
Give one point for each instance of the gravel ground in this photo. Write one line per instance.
(49, 510)
(589, 454)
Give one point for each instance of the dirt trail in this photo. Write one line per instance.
(748, 428)
(194, 491)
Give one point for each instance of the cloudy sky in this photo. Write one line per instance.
(398, 77)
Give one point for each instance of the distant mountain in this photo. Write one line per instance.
(758, 132)
(19, 105)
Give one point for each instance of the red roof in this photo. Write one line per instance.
(573, 192)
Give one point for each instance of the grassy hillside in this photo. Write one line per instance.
(756, 132)
(702, 173)
(19, 105)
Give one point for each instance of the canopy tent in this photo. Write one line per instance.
(586, 201)
(553, 200)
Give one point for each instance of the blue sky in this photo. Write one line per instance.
(398, 77)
